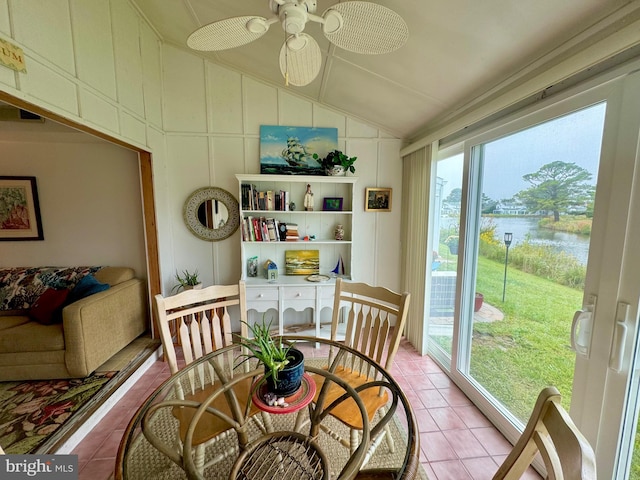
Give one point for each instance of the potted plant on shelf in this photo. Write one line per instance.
(283, 363)
(337, 163)
(187, 281)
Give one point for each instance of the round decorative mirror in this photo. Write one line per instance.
(211, 213)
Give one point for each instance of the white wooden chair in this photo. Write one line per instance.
(202, 321)
(371, 313)
(550, 431)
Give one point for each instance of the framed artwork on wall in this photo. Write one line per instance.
(290, 150)
(19, 209)
(377, 199)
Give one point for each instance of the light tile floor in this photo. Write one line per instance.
(457, 441)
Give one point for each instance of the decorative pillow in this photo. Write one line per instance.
(47, 309)
(88, 285)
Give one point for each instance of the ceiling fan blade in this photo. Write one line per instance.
(300, 59)
(228, 33)
(364, 27)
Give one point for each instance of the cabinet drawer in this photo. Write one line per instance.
(299, 293)
(259, 294)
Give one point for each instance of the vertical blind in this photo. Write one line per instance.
(415, 225)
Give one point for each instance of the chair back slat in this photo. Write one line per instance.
(226, 327)
(382, 333)
(216, 339)
(196, 338)
(185, 339)
(551, 432)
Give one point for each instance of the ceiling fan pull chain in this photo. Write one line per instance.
(286, 55)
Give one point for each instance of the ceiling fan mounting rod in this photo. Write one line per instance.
(309, 5)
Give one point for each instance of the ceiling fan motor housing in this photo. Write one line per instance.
(293, 17)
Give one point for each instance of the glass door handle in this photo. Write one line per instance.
(581, 328)
(619, 339)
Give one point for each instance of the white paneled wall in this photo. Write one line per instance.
(236, 107)
(93, 45)
(99, 64)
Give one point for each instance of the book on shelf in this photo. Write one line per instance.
(264, 230)
(271, 227)
(254, 199)
(282, 231)
(292, 232)
(256, 235)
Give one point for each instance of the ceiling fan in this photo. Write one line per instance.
(356, 26)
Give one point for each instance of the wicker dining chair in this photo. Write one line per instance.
(202, 321)
(375, 319)
(551, 432)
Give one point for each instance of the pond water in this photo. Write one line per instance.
(576, 245)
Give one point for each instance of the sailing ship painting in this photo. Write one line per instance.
(290, 150)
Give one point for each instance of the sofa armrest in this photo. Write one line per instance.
(100, 325)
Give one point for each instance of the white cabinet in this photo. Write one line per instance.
(295, 291)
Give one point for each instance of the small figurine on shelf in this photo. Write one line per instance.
(339, 270)
(271, 270)
(339, 232)
(308, 199)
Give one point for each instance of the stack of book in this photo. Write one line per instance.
(292, 232)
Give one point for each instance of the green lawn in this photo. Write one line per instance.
(517, 357)
(530, 349)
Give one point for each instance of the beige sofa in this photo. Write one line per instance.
(93, 329)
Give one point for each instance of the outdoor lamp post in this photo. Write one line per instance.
(507, 241)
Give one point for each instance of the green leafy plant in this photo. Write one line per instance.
(273, 353)
(186, 280)
(337, 158)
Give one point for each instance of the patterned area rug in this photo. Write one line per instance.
(34, 411)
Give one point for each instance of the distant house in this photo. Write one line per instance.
(510, 208)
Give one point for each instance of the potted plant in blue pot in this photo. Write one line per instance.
(283, 363)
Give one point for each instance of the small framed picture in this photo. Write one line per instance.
(377, 199)
(332, 204)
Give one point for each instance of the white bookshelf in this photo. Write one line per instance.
(294, 291)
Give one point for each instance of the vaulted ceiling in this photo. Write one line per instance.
(457, 50)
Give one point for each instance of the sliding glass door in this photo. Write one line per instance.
(531, 235)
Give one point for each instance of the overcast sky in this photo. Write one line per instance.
(576, 138)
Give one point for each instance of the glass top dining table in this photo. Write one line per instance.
(206, 422)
